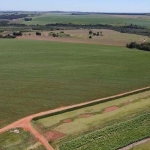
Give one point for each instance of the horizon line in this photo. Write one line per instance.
(74, 11)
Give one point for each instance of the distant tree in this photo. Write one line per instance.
(94, 34)
(90, 37)
(27, 19)
(101, 33)
(38, 33)
(17, 33)
(97, 33)
(54, 35)
(131, 45)
(90, 32)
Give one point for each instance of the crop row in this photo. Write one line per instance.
(112, 137)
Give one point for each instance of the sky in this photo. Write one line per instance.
(130, 6)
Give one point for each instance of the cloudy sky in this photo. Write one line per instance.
(77, 5)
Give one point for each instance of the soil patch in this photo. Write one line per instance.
(85, 115)
(67, 121)
(111, 109)
(128, 102)
(2, 121)
(53, 135)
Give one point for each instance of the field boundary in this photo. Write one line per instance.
(90, 103)
(25, 123)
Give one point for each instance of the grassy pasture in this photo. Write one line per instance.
(37, 75)
(19, 141)
(89, 19)
(109, 37)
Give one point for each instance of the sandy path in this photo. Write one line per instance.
(135, 144)
(25, 122)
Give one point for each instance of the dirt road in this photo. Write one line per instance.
(135, 144)
(25, 123)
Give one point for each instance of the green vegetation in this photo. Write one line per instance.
(144, 46)
(144, 146)
(137, 103)
(38, 76)
(18, 141)
(13, 16)
(112, 137)
(59, 34)
(95, 116)
(88, 19)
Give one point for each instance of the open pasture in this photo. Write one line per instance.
(37, 75)
(90, 19)
(11, 140)
(109, 37)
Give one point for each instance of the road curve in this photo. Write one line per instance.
(25, 123)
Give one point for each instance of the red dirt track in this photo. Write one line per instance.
(25, 122)
(111, 109)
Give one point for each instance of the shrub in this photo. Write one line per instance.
(38, 33)
(90, 32)
(17, 33)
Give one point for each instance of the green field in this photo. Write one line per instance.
(38, 75)
(88, 19)
(19, 141)
(127, 108)
(137, 103)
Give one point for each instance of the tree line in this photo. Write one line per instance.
(132, 29)
(144, 46)
(13, 16)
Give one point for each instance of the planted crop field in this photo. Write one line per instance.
(112, 137)
(37, 75)
(89, 19)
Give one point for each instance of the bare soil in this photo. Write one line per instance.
(67, 121)
(111, 109)
(53, 135)
(85, 115)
